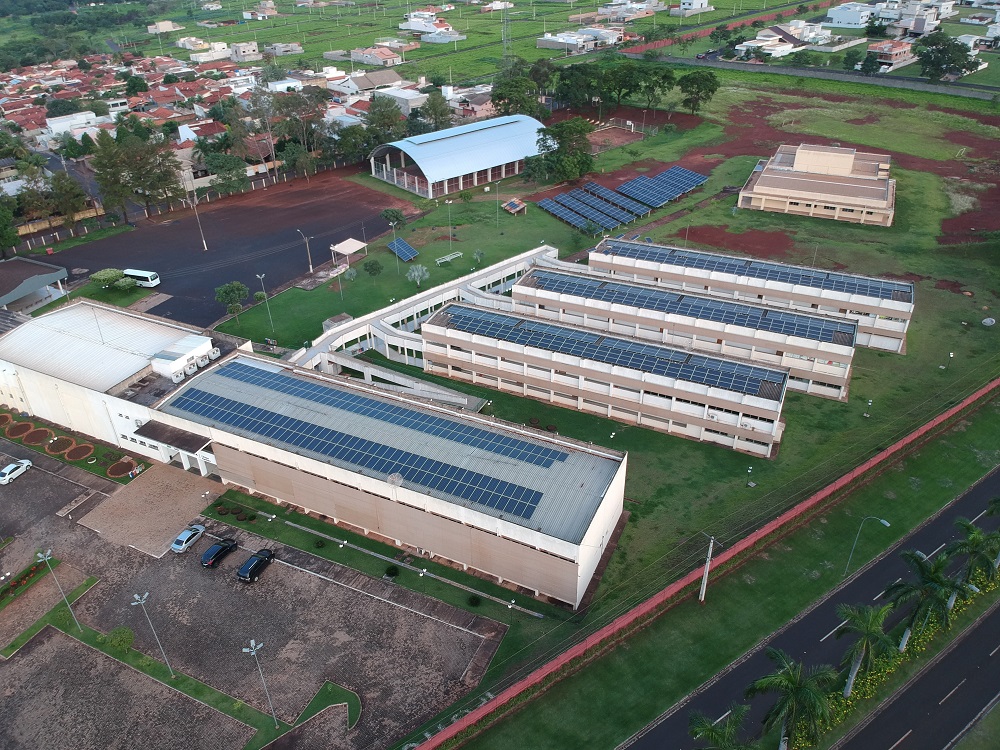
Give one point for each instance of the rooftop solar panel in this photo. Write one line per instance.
(703, 308)
(561, 212)
(602, 220)
(652, 358)
(379, 460)
(864, 286)
(616, 198)
(355, 403)
(402, 249)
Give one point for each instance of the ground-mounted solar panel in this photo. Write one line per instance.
(652, 358)
(356, 403)
(366, 456)
(617, 199)
(864, 286)
(646, 190)
(600, 219)
(684, 178)
(561, 212)
(402, 249)
(623, 216)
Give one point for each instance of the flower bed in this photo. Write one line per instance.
(5, 419)
(37, 436)
(121, 468)
(79, 452)
(20, 583)
(18, 429)
(61, 444)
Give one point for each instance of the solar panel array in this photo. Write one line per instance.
(680, 179)
(703, 308)
(652, 358)
(377, 458)
(402, 249)
(561, 212)
(660, 189)
(617, 198)
(643, 189)
(602, 220)
(623, 216)
(355, 403)
(827, 280)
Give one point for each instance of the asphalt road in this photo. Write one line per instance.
(936, 709)
(810, 638)
(246, 235)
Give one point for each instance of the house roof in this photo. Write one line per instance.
(22, 276)
(469, 148)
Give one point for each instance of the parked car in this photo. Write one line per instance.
(186, 539)
(214, 554)
(700, 56)
(12, 471)
(254, 566)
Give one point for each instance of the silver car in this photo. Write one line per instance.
(186, 539)
(14, 470)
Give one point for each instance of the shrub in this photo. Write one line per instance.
(474, 601)
(251, 517)
(392, 571)
(319, 544)
(121, 638)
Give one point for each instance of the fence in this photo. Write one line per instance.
(768, 534)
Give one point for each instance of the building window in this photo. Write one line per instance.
(793, 203)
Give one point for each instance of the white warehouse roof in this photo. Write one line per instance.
(469, 148)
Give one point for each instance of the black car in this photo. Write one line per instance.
(254, 566)
(214, 554)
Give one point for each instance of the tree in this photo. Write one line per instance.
(106, 276)
(296, 157)
(564, 151)
(851, 58)
(722, 735)
(352, 143)
(802, 696)
(417, 274)
(929, 592)
(543, 72)
(272, 72)
(68, 197)
(232, 296)
(436, 111)
(876, 29)
(135, 85)
(229, 173)
(478, 256)
(35, 196)
(870, 65)
(385, 121)
(61, 107)
(577, 85)
(393, 216)
(8, 233)
(803, 58)
(170, 78)
(351, 274)
(979, 548)
(516, 96)
(941, 55)
(720, 34)
(373, 268)
(654, 83)
(867, 624)
(621, 80)
(698, 87)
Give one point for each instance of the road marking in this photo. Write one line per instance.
(994, 650)
(939, 548)
(836, 629)
(880, 593)
(952, 692)
(722, 717)
(908, 733)
(983, 513)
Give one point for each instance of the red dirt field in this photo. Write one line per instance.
(755, 242)
(966, 228)
(611, 137)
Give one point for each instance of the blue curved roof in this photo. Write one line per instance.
(470, 148)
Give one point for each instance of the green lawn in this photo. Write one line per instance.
(984, 735)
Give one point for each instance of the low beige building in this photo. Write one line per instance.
(882, 308)
(823, 181)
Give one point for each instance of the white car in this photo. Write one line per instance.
(14, 470)
(186, 539)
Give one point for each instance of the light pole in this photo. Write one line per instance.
(749, 472)
(266, 303)
(254, 648)
(861, 526)
(708, 565)
(45, 557)
(393, 225)
(141, 602)
(194, 205)
(451, 228)
(308, 254)
(869, 412)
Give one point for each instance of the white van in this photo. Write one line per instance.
(142, 278)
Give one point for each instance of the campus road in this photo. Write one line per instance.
(810, 638)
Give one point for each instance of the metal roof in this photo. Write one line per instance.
(89, 345)
(471, 462)
(469, 148)
(20, 277)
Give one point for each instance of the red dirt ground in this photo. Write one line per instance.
(755, 242)
(611, 137)
(951, 286)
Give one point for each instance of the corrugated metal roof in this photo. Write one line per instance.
(571, 489)
(470, 148)
(89, 345)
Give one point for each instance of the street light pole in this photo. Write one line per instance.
(393, 225)
(266, 303)
(45, 557)
(254, 648)
(141, 601)
(308, 254)
(858, 536)
(708, 565)
(749, 472)
(197, 218)
(451, 228)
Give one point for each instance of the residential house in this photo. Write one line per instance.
(216, 51)
(892, 53)
(245, 52)
(191, 42)
(212, 6)
(406, 99)
(784, 39)
(692, 8)
(280, 49)
(424, 22)
(163, 27)
(381, 56)
(849, 16)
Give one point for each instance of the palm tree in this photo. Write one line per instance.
(722, 734)
(930, 591)
(868, 624)
(802, 696)
(993, 507)
(980, 548)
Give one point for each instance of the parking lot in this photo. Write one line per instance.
(406, 656)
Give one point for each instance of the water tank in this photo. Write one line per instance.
(215, 353)
(190, 368)
(202, 360)
(177, 376)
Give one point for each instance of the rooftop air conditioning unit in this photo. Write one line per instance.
(202, 360)
(191, 368)
(215, 353)
(177, 376)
